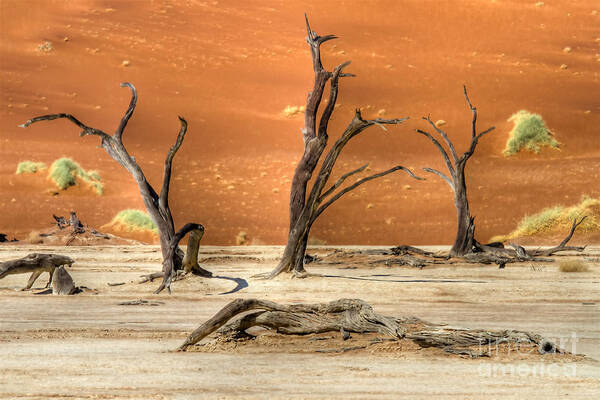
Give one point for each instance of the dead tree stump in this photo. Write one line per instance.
(62, 283)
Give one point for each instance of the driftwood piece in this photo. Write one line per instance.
(62, 283)
(61, 222)
(76, 223)
(36, 263)
(354, 316)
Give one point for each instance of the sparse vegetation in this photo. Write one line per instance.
(529, 132)
(557, 219)
(45, 47)
(64, 172)
(291, 111)
(133, 221)
(30, 167)
(573, 266)
(241, 239)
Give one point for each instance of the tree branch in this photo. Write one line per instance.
(340, 181)
(321, 77)
(129, 112)
(333, 93)
(562, 246)
(445, 137)
(358, 183)
(442, 151)
(86, 130)
(441, 175)
(164, 193)
(473, 110)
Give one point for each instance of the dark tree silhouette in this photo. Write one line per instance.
(305, 205)
(463, 244)
(156, 204)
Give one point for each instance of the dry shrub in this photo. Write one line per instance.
(315, 241)
(573, 266)
(529, 132)
(34, 238)
(30, 167)
(241, 239)
(132, 221)
(556, 220)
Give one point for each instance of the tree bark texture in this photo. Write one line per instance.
(355, 316)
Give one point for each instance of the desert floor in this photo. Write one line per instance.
(89, 346)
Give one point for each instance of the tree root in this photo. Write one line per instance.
(356, 316)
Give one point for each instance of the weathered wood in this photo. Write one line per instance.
(76, 223)
(563, 245)
(37, 264)
(464, 240)
(191, 259)
(156, 204)
(62, 282)
(353, 316)
(306, 207)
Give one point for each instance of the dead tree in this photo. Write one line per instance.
(356, 316)
(306, 206)
(464, 241)
(156, 204)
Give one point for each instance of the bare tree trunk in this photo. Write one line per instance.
(304, 209)
(156, 204)
(463, 244)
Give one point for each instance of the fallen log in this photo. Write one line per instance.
(36, 263)
(355, 316)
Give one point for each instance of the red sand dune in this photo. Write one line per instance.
(231, 68)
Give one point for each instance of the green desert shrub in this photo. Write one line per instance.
(572, 266)
(30, 167)
(133, 220)
(529, 132)
(65, 172)
(557, 219)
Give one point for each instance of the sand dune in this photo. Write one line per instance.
(232, 69)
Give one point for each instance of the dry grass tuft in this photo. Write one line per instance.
(241, 239)
(30, 167)
(65, 172)
(573, 266)
(292, 111)
(132, 221)
(557, 219)
(34, 238)
(529, 132)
